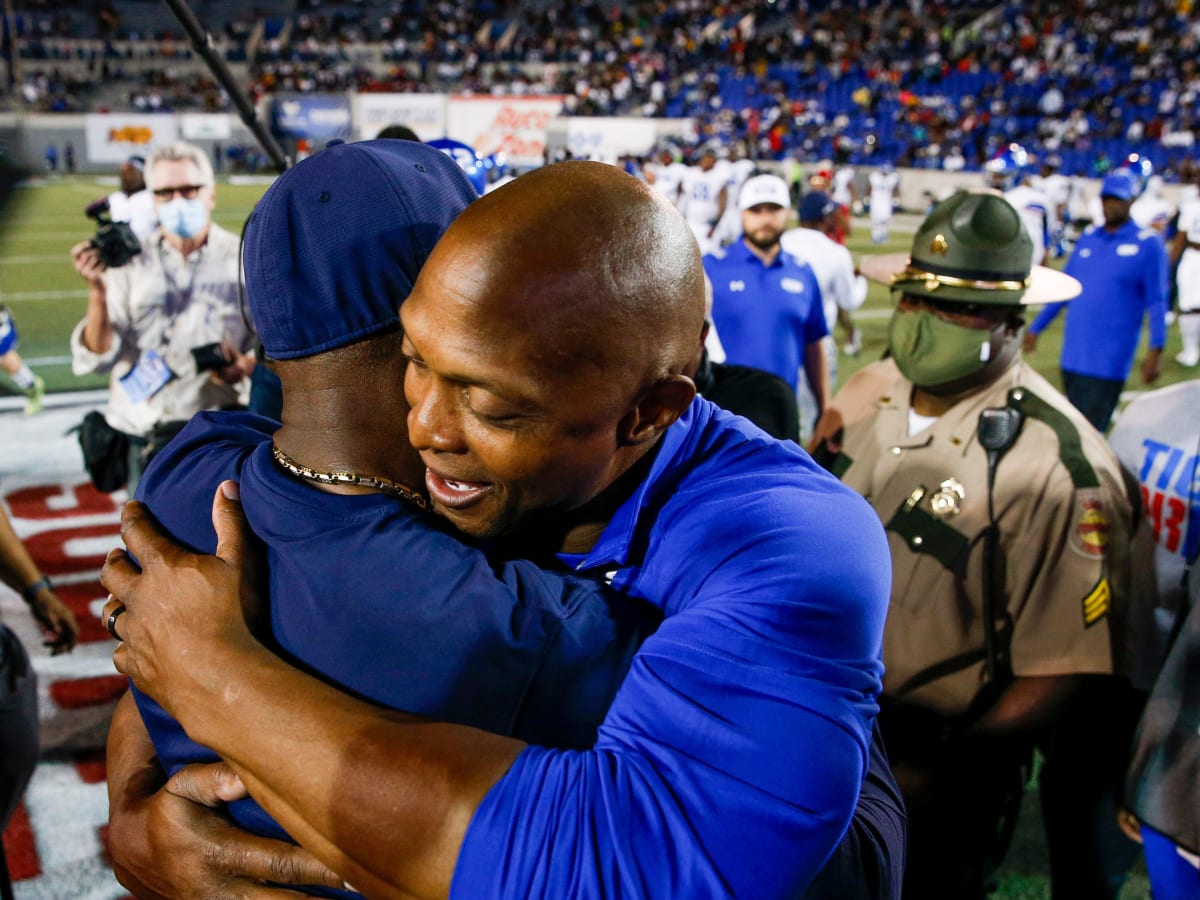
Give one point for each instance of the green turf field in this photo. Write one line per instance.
(47, 298)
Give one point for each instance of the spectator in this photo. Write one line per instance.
(133, 203)
(18, 682)
(1186, 251)
(1124, 276)
(843, 290)
(767, 306)
(1153, 430)
(167, 326)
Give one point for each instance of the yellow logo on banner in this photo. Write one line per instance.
(131, 134)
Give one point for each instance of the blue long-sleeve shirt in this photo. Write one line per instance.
(730, 760)
(1124, 277)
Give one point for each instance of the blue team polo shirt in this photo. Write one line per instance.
(732, 755)
(381, 600)
(1124, 277)
(765, 315)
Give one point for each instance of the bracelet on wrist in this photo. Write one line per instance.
(29, 594)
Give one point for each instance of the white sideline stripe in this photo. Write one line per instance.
(36, 296)
(48, 361)
(36, 259)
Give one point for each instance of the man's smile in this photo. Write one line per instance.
(454, 493)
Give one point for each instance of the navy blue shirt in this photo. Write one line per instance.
(732, 756)
(765, 315)
(378, 598)
(1124, 278)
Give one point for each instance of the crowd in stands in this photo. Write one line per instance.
(926, 84)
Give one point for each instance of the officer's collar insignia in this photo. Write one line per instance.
(947, 499)
(939, 245)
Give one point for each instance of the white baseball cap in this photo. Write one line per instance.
(764, 189)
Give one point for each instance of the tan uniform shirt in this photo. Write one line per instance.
(1062, 512)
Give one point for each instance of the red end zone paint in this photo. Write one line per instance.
(82, 692)
(19, 847)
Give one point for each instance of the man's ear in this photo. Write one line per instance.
(659, 406)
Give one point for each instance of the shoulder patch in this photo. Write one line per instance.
(1096, 603)
(1127, 249)
(1090, 527)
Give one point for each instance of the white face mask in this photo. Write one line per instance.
(183, 218)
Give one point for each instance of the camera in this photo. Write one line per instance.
(209, 357)
(115, 240)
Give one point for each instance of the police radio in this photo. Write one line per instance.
(997, 432)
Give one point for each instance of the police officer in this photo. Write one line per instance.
(1006, 517)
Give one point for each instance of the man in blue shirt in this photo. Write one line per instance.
(548, 401)
(766, 305)
(1123, 270)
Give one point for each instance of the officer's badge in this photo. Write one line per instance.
(1096, 603)
(1090, 536)
(939, 245)
(947, 499)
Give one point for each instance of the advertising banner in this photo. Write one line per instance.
(607, 139)
(319, 117)
(205, 126)
(515, 126)
(114, 137)
(423, 113)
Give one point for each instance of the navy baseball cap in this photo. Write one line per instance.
(815, 206)
(336, 243)
(1118, 184)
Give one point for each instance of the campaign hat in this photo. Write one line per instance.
(972, 248)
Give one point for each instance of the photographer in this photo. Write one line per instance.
(166, 325)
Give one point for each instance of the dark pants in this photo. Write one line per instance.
(18, 734)
(1096, 398)
(962, 798)
(18, 723)
(1086, 756)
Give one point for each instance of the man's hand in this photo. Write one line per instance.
(1029, 342)
(57, 621)
(182, 609)
(87, 262)
(175, 844)
(166, 842)
(240, 365)
(1152, 365)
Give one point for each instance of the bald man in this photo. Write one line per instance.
(545, 378)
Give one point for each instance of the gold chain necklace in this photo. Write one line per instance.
(352, 479)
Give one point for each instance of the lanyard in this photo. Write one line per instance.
(178, 298)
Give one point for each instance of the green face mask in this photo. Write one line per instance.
(931, 352)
